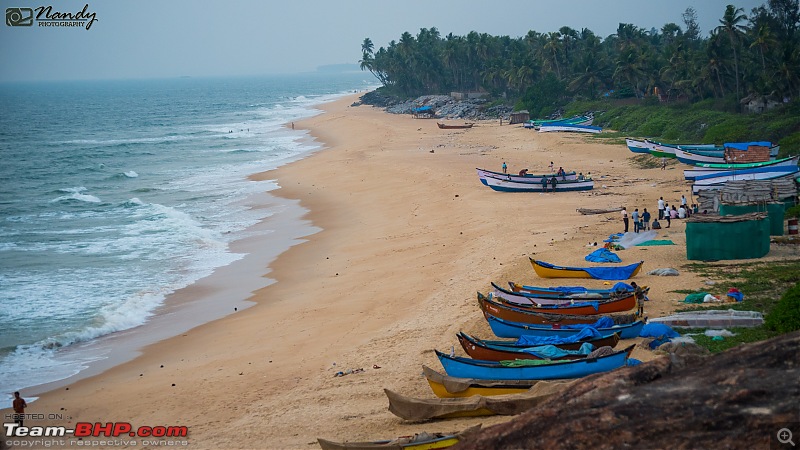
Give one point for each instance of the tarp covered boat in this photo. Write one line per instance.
(457, 366)
(510, 329)
(547, 270)
(516, 186)
(516, 313)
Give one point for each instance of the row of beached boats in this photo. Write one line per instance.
(559, 334)
(712, 168)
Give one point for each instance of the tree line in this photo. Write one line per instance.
(755, 53)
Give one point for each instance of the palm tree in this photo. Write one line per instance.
(730, 24)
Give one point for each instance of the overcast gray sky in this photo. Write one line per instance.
(169, 38)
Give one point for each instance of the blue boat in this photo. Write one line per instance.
(507, 329)
(460, 367)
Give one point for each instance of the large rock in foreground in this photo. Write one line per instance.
(737, 399)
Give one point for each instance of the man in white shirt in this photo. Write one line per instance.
(661, 208)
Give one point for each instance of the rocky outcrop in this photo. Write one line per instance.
(444, 106)
(737, 399)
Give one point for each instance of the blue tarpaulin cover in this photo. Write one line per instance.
(744, 145)
(603, 322)
(422, 108)
(584, 334)
(611, 273)
(552, 352)
(658, 330)
(603, 255)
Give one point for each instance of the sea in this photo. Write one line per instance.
(116, 194)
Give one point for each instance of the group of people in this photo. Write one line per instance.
(641, 222)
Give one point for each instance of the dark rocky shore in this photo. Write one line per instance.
(738, 399)
(446, 107)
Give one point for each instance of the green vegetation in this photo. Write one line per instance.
(785, 317)
(672, 84)
(770, 288)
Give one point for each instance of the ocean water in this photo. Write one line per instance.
(114, 194)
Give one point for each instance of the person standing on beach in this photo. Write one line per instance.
(544, 183)
(635, 217)
(505, 167)
(625, 218)
(19, 408)
(683, 201)
(645, 220)
(663, 163)
(661, 208)
(553, 182)
(667, 216)
(552, 166)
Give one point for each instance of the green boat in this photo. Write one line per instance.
(744, 165)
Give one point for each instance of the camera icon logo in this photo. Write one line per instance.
(19, 17)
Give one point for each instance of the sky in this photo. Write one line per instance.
(170, 38)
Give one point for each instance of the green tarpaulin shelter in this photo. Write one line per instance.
(713, 238)
(775, 210)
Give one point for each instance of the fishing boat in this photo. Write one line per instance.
(547, 270)
(561, 185)
(571, 291)
(515, 313)
(509, 329)
(477, 349)
(410, 408)
(545, 297)
(638, 146)
(714, 169)
(526, 178)
(715, 181)
(420, 441)
(572, 342)
(547, 127)
(453, 127)
(664, 150)
(445, 386)
(690, 158)
(457, 366)
(576, 120)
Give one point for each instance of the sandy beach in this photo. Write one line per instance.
(408, 235)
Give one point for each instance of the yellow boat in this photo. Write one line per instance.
(547, 270)
(444, 386)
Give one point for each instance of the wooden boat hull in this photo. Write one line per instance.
(445, 386)
(690, 158)
(765, 173)
(425, 442)
(529, 178)
(546, 270)
(574, 128)
(487, 352)
(637, 146)
(454, 127)
(561, 186)
(415, 409)
(509, 329)
(456, 366)
(515, 313)
(716, 169)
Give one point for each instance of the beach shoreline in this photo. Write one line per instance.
(406, 235)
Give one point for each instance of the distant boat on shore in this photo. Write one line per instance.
(453, 127)
(526, 178)
(569, 127)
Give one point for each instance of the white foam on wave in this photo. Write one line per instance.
(75, 194)
(131, 174)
